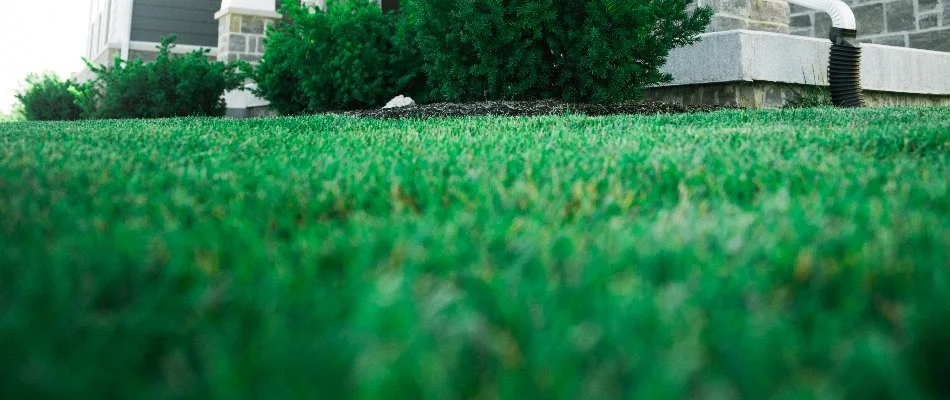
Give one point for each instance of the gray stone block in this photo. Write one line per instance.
(252, 58)
(938, 40)
(797, 9)
(870, 19)
(718, 94)
(926, 5)
(237, 43)
(892, 40)
(735, 8)
(768, 27)
(253, 25)
(927, 21)
(823, 25)
(764, 15)
(900, 16)
(770, 11)
(891, 99)
(721, 23)
(235, 23)
(774, 96)
(800, 21)
(802, 32)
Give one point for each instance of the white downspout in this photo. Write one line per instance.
(841, 15)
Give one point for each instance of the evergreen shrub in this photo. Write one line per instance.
(174, 85)
(48, 98)
(344, 57)
(597, 50)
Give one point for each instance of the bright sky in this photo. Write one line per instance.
(37, 36)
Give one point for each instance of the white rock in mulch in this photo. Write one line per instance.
(400, 101)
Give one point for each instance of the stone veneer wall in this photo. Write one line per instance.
(920, 24)
(773, 95)
(756, 15)
(242, 37)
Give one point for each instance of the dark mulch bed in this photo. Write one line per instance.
(530, 108)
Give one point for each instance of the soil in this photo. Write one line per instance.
(529, 108)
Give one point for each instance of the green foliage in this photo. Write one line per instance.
(172, 85)
(343, 58)
(808, 96)
(599, 50)
(738, 254)
(48, 98)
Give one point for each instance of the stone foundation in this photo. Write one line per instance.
(757, 15)
(241, 37)
(775, 94)
(241, 29)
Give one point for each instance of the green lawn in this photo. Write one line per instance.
(754, 254)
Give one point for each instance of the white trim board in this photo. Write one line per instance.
(246, 11)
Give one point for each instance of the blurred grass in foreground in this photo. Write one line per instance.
(784, 253)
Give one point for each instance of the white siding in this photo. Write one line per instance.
(104, 26)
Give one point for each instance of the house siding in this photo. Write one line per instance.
(192, 21)
(103, 26)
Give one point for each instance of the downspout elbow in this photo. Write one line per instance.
(841, 15)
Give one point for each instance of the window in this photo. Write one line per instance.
(390, 5)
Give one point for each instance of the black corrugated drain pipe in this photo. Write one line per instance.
(844, 69)
(844, 62)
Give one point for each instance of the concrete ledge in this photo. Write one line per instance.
(752, 56)
(250, 112)
(247, 11)
(239, 102)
